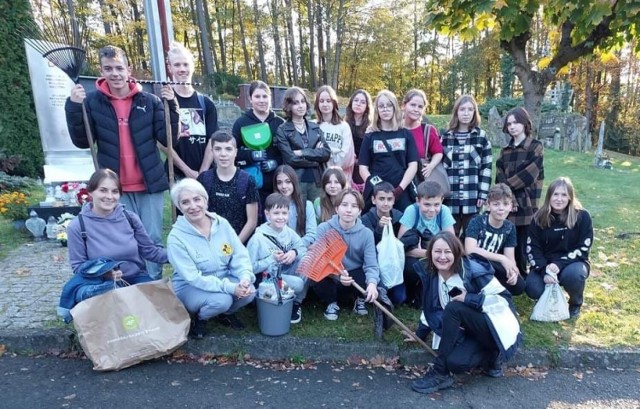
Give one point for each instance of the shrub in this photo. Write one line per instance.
(8, 182)
(14, 205)
(505, 104)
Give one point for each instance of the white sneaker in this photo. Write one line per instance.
(359, 307)
(331, 313)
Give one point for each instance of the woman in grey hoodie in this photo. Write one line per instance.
(213, 275)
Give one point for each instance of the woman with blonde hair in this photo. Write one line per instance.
(424, 134)
(388, 152)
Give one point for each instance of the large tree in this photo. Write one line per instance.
(581, 26)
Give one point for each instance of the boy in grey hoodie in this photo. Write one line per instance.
(360, 262)
(276, 245)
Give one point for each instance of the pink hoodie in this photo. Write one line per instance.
(130, 173)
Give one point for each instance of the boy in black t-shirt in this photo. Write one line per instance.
(232, 191)
(494, 237)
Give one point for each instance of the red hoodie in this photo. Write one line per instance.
(130, 173)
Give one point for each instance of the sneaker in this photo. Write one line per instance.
(432, 382)
(331, 313)
(359, 307)
(198, 328)
(296, 313)
(574, 311)
(230, 320)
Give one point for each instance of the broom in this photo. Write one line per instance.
(64, 48)
(324, 258)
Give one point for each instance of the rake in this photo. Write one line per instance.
(64, 48)
(324, 258)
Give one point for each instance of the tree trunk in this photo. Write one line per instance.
(292, 44)
(245, 51)
(322, 58)
(105, 23)
(263, 67)
(207, 19)
(588, 97)
(312, 64)
(338, 48)
(279, 74)
(139, 34)
(204, 39)
(221, 44)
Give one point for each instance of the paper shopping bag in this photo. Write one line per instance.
(130, 324)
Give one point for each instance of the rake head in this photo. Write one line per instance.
(324, 257)
(62, 44)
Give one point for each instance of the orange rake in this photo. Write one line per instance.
(324, 258)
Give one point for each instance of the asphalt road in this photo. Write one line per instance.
(52, 382)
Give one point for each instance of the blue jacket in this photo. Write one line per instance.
(477, 272)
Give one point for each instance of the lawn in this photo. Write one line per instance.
(610, 316)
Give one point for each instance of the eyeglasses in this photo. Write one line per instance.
(388, 107)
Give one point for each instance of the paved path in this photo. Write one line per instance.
(31, 278)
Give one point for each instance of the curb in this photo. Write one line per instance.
(56, 341)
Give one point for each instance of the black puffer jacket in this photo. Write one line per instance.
(147, 126)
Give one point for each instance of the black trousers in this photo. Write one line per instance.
(466, 342)
(330, 288)
(520, 250)
(501, 274)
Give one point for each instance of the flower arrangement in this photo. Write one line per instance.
(63, 223)
(14, 205)
(74, 193)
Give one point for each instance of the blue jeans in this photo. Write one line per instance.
(149, 207)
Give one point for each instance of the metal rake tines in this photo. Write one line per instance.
(61, 44)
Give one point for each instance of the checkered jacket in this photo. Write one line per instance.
(522, 169)
(468, 160)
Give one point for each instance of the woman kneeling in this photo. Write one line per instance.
(469, 311)
(212, 270)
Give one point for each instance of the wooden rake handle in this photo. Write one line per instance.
(389, 314)
(87, 129)
(167, 126)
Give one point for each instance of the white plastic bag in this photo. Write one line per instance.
(552, 305)
(390, 258)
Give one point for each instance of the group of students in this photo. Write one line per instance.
(246, 212)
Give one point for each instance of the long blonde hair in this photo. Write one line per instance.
(454, 123)
(569, 216)
(396, 121)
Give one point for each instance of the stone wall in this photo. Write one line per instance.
(572, 131)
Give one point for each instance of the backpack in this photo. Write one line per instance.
(83, 230)
(203, 105)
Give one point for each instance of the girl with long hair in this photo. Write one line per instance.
(333, 181)
(359, 116)
(468, 160)
(388, 152)
(560, 238)
(302, 217)
(337, 132)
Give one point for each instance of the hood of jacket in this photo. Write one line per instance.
(182, 225)
(117, 214)
(103, 87)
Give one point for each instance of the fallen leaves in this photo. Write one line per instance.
(23, 272)
(529, 372)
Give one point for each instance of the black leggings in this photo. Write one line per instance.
(466, 341)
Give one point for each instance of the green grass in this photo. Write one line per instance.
(610, 315)
(611, 312)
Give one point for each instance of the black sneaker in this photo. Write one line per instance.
(296, 313)
(494, 370)
(230, 320)
(432, 382)
(198, 328)
(574, 311)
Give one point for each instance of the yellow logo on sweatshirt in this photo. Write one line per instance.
(227, 249)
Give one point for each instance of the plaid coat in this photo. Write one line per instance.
(468, 161)
(521, 168)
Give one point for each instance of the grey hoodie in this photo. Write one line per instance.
(208, 263)
(361, 249)
(261, 249)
